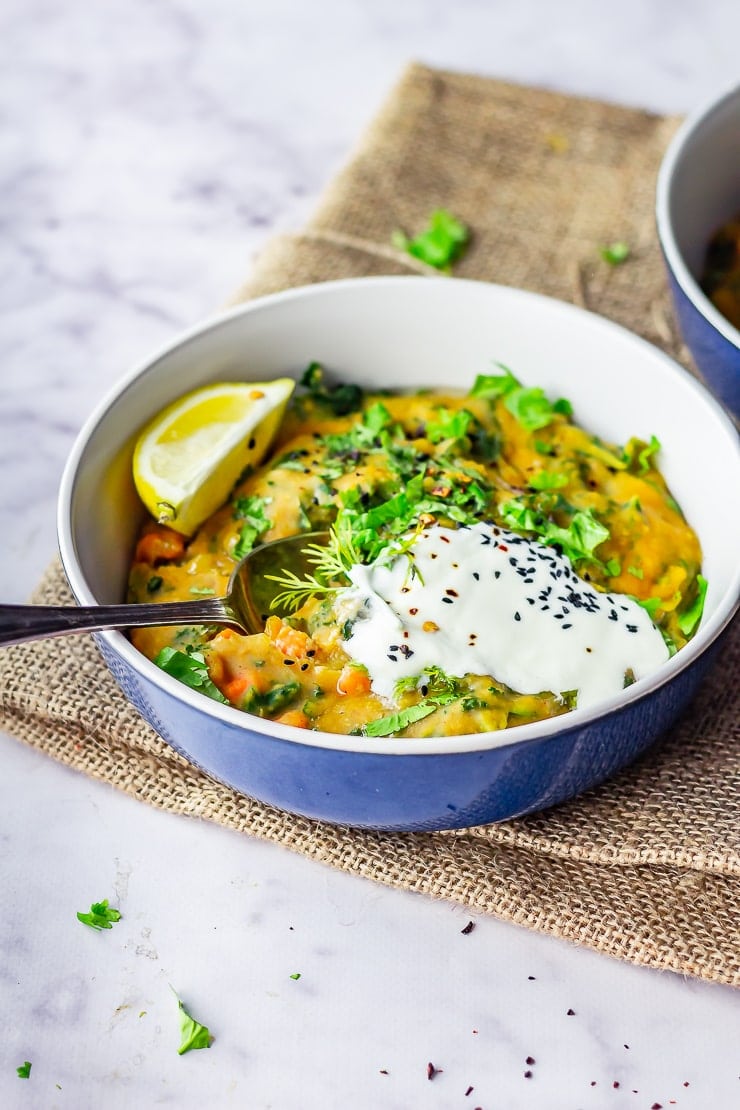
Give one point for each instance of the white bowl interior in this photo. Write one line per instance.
(406, 333)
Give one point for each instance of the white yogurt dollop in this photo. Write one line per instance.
(485, 601)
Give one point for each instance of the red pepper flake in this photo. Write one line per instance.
(657, 1106)
(502, 547)
(527, 1075)
(571, 1013)
(468, 928)
(469, 1091)
(383, 1071)
(530, 1060)
(615, 1084)
(686, 1083)
(593, 1082)
(432, 1071)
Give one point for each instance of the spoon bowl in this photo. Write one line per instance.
(249, 600)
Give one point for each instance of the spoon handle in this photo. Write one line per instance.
(19, 623)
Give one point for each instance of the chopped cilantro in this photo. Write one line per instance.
(615, 253)
(548, 479)
(532, 408)
(529, 406)
(636, 571)
(101, 916)
(495, 385)
(440, 244)
(271, 701)
(154, 583)
(578, 541)
(450, 424)
(651, 605)
(192, 1033)
(341, 399)
(637, 454)
(250, 510)
(189, 668)
(24, 1070)
(296, 975)
(395, 722)
(690, 618)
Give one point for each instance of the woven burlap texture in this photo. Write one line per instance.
(645, 868)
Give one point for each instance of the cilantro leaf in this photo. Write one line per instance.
(532, 408)
(578, 541)
(189, 668)
(689, 619)
(341, 399)
(24, 1070)
(548, 479)
(650, 605)
(495, 385)
(441, 244)
(386, 726)
(638, 454)
(528, 405)
(615, 253)
(450, 424)
(192, 1033)
(250, 510)
(101, 916)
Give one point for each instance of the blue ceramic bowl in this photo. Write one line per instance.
(698, 191)
(411, 332)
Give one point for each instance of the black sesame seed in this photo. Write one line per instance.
(517, 616)
(632, 628)
(289, 662)
(252, 443)
(566, 625)
(497, 574)
(393, 658)
(476, 576)
(448, 601)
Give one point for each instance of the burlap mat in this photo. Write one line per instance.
(644, 868)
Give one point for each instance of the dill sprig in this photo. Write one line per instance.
(331, 561)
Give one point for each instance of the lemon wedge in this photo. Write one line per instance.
(188, 459)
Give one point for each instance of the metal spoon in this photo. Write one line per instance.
(246, 606)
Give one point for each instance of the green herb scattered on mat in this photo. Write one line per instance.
(440, 245)
(101, 915)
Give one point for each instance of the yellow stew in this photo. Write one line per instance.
(387, 471)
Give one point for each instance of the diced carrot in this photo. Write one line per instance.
(289, 641)
(160, 545)
(353, 681)
(235, 687)
(295, 717)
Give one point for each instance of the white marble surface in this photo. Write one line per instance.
(148, 149)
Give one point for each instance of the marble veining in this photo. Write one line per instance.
(148, 151)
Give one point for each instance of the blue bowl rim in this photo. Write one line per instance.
(672, 157)
(471, 742)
